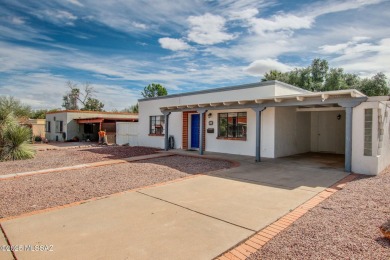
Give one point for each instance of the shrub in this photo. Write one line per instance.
(37, 138)
(14, 140)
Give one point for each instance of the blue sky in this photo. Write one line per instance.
(120, 46)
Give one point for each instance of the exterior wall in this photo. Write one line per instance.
(361, 163)
(331, 131)
(292, 131)
(247, 147)
(383, 136)
(152, 108)
(53, 135)
(127, 133)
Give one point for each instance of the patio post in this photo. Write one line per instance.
(348, 132)
(166, 127)
(202, 113)
(348, 138)
(258, 111)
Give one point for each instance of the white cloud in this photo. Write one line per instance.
(173, 44)
(208, 29)
(259, 67)
(17, 20)
(60, 17)
(139, 25)
(281, 22)
(243, 14)
(76, 2)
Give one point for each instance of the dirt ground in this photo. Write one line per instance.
(41, 191)
(69, 157)
(345, 226)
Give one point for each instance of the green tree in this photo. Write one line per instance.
(375, 86)
(154, 90)
(131, 109)
(93, 104)
(275, 75)
(319, 69)
(41, 113)
(319, 77)
(335, 80)
(10, 105)
(85, 97)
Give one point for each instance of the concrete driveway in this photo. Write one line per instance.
(197, 218)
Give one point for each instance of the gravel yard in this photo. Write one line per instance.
(42, 191)
(69, 157)
(343, 227)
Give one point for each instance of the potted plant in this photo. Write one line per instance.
(385, 229)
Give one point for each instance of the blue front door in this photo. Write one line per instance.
(195, 120)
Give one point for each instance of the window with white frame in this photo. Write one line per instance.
(368, 131)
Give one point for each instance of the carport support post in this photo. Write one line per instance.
(258, 111)
(166, 135)
(202, 113)
(348, 139)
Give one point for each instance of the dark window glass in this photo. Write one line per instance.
(232, 125)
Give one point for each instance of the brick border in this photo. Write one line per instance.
(244, 249)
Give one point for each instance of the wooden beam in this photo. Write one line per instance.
(277, 100)
(300, 98)
(324, 97)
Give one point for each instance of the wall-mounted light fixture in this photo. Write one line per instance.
(209, 115)
(338, 116)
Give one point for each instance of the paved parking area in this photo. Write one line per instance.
(199, 217)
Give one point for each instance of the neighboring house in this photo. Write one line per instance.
(37, 126)
(272, 119)
(84, 125)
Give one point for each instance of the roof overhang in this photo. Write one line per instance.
(101, 120)
(349, 97)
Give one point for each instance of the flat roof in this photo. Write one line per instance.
(317, 98)
(92, 112)
(237, 87)
(102, 119)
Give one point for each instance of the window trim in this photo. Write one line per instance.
(48, 127)
(243, 138)
(61, 126)
(161, 125)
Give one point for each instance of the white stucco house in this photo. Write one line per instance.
(84, 125)
(272, 119)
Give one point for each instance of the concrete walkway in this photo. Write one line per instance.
(197, 218)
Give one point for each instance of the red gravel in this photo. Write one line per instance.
(25, 194)
(69, 157)
(343, 227)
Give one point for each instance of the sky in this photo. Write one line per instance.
(121, 46)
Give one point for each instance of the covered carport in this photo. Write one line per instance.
(341, 100)
(93, 125)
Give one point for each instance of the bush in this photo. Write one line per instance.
(14, 140)
(37, 138)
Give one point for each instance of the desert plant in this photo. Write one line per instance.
(14, 140)
(37, 138)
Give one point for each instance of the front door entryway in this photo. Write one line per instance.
(195, 125)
